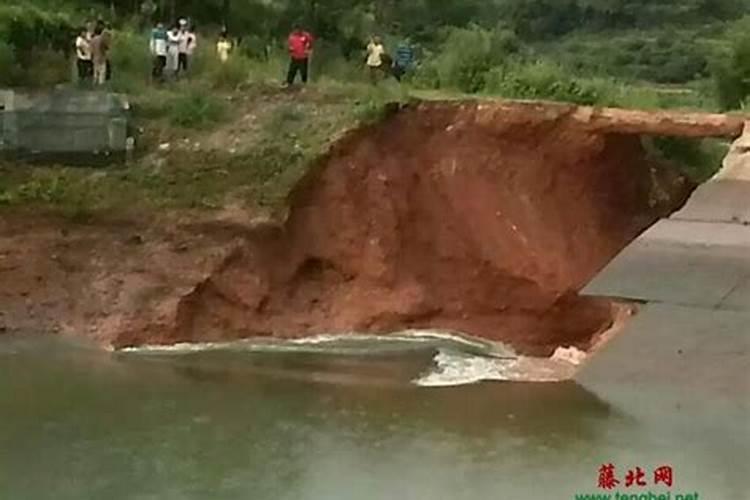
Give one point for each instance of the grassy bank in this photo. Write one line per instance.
(204, 150)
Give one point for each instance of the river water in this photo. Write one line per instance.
(327, 424)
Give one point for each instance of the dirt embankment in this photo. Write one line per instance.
(481, 220)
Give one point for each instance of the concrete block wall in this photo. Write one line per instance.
(67, 122)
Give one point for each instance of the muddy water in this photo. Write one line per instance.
(77, 423)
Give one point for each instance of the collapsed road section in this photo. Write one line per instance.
(485, 218)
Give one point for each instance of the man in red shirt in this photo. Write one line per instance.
(300, 48)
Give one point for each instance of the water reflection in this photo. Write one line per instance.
(80, 424)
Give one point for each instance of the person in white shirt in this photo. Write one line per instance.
(173, 50)
(191, 45)
(84, 63)
(186, 47)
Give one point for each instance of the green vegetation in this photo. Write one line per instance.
(252, 164)
(692, 54)
(732, 73)
(698, 159)
(606, 52)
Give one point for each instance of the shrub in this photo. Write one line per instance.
(541, 80)
(33, 42)
(48, 69)
(26, 27)
(732, 76)
(195, 109)
(231, 74)
(130, 56)
(8, 67)
(465, 59)
(698, 159)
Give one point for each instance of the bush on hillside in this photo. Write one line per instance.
(130, 53)
(699, 159)
(732, 76)
(8, 67)
(465, 58)
(33, 44)
(668, 58)
(26, 27)
(540, 80)
(196, 109)
(46, 69)
(231, 74)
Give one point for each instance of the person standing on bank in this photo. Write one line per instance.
(375, 54)
(300, 46)
(192, 44)
(99, 55)
(83, 57)
(186, 46)
(404, 59)
(223, 47)
(107, 35)
(158, 47)
(173, 50)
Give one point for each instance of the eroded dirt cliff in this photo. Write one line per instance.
(477, 218)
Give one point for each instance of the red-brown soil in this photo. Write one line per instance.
(464, 217)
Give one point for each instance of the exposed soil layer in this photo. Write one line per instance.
(484, 220)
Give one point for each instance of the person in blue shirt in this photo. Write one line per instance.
(404, 59)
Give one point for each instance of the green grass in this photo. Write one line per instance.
(293, 129)
(196, 109)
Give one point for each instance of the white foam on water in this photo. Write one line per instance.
(335, 343)
(453, 368)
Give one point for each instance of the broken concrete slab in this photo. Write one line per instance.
(681, 262)
(726, 197)
(683, 353)
(719, 201)
(691, 341)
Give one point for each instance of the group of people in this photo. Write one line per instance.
(378, 61)
(172, 50)
(93, 46)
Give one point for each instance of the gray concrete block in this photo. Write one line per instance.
(718, 201)
(739, 298)
(683, 263)
(65, 122)
(678, 352)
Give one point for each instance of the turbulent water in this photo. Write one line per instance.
(457, 360)
(330, 419)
